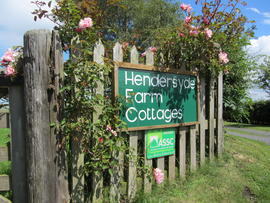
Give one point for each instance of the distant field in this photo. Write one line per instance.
(250, 126)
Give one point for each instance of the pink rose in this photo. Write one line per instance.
(78, 29)
(205, 21)
(186, 7)
(153, 49)
(85, 23)
(158, 175)
(208, 33)
(114, 132)
(226, 72)
(100, 140)
(181, 34)
(108, 128)
(9, 56)
(193, 32)
(223, 57)
(125, 45)
(9, 71)
(188, 19)
(143, 54)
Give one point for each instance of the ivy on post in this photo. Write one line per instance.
(117, 170)
(97, 176)
(133, 143)
(147, 183)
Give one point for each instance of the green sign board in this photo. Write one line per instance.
(156, 99)
(160, 143)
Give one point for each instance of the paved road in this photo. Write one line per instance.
(265, 136)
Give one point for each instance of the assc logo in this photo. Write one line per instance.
(157, 141)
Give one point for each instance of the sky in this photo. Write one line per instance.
(16, 19)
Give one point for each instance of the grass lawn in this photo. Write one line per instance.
(241, 175)
(250, 126)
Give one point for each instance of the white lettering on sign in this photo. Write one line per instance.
(132, 78)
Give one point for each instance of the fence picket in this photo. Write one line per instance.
(133, 143)
(118, 173)
(97, 179)
(182, 151)
(132, 170)
(219, 125)
(148, 162)
(202, 119)
(193, 161)
(211, 120)
(5, 183)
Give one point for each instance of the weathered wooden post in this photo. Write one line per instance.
(46, 171)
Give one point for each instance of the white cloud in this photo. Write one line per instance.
(258, 94)
(266, 21)
(16, 19)
(259, 46)
(254, 10)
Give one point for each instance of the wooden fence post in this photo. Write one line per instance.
(44, 184)
(41, 183)
(16, 105)
(118, 170)
(220, 134)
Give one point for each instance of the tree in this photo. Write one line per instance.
(264, 75)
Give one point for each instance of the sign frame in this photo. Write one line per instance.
(156, 69)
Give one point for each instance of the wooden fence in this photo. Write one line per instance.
(39, 167)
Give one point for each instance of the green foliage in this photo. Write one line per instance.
(189, 45)
(237, 104)
(260, 113)
(264, 75)
(4, 136)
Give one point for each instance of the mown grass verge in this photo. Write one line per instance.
(241, 175)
